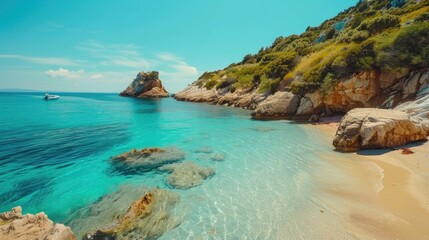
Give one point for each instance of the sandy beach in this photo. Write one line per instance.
(380, 194)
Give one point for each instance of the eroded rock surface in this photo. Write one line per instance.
(129, 213)
(15, 226)
(368, 128)
(385, 89)
(147, 159)
(279, 105)
(146, 85)
(187, 174)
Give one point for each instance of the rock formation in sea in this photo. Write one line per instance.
(147, 159)
(129, 213)
(15, 226)
(146, 85)
(187, 174)
(369, 128)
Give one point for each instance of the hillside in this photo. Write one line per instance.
(375, 54)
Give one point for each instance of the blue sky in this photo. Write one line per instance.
(99, 46)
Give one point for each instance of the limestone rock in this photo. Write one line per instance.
(279, 105)
(368, 128)
(147, 158)
(129, 213)
(193, 93)
(411, 84)
(353, 92)
(15, 226)
(146, 85)
(187, 174)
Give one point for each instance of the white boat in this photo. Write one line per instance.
(51, 97)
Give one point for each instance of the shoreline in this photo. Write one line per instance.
(388, 193)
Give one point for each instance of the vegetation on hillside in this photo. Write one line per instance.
(377, 34)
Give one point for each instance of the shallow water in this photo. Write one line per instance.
(55, 157)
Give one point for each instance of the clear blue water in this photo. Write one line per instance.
(55, 157)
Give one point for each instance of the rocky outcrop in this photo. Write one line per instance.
(246, 98)
(384, 89)
(145, 85)
(15, 226)
(279, 105)
(369, 128)
(129, 213)
(187, 174)
(147, 159)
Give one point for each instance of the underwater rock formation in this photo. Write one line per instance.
(187, 174)
(15, 226)
(204, 149)
(129, 213)
(145, 85)
(368, 128)
(217, 157)
(147, 159)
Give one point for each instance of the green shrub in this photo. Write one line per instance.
(268, 84)
(379, 24)
(328, 83)
(359, 36)
(226, 83)
(210, 84)
(278, 64)
(422, 18)
(244, 81)
(410, 47)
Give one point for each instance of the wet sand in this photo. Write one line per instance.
(379, 194)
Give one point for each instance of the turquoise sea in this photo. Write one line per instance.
(55, 157)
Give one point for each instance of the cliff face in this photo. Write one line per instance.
(371, 55)
(384, 89)
(145, 85)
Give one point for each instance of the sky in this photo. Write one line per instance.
(100, 46)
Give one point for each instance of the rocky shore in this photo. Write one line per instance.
(146, 85)
(16, 226)
(385, 89)
(364, 96)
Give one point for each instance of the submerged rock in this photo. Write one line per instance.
(218, 157)
(146, 85)
(204, 149)
(147, 158)
(129, 213)
(368, 128)
(187, 174)
(15, 226)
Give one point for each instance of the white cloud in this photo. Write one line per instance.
(43, 60)
(96, 76)
(178, 64)
(50, 27)
(185, 69)
(168, 57)
(61, 72)
(125, 55)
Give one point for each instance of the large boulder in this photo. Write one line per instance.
(277, 106)
(146, 85)
(15, 226)
(369, 128)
